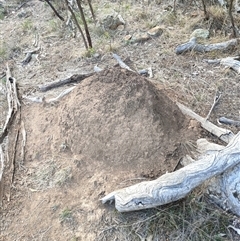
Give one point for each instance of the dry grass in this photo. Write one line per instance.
(50, 175)
(191, 219)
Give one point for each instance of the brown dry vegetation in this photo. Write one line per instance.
(56, 191)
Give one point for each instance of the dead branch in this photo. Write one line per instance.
(174, 186)
(216, 100)
(227, 121)
(223, 134)
(24, 137)
(62, 94)
(192, 45)
(13, 103)
(73, 79)
(28, 56)
(231, 62)
(121, 63)
(13, 161)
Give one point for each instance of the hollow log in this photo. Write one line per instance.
(174, 186)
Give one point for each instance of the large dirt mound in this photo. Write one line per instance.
(111, 130)
(116, 118)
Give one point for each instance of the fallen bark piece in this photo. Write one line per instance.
(227, 121)
(193, 45)
(223, 134)
(73, 79)
(174, 186)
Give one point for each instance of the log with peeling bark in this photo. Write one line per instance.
(73, 79)
(192, 45)
(174, 186)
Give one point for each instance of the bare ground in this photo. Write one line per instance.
(113, 130)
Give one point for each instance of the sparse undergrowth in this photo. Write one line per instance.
(50, 175)
(192, 219)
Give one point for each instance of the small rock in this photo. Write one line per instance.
(96, 55)
(112, 22)
(155, 32)
(127, 37)
(200, 33)
(140, 37)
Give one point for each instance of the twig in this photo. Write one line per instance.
(65, 92)
(13, 162)
(216, 100)
(121, 63)
(24, 136)
(28, 57)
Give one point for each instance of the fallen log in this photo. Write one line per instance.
(192, 45)
(174, 186)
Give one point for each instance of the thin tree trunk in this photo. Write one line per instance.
(85, 24)
(205, 10)
(231, 18)
(54, 10)
(78, 26)
(91, 9)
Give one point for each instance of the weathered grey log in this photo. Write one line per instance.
(174, 186)
(227, 121)
(232, 62)
(193, 45)
(223, 134)
(73, 79)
